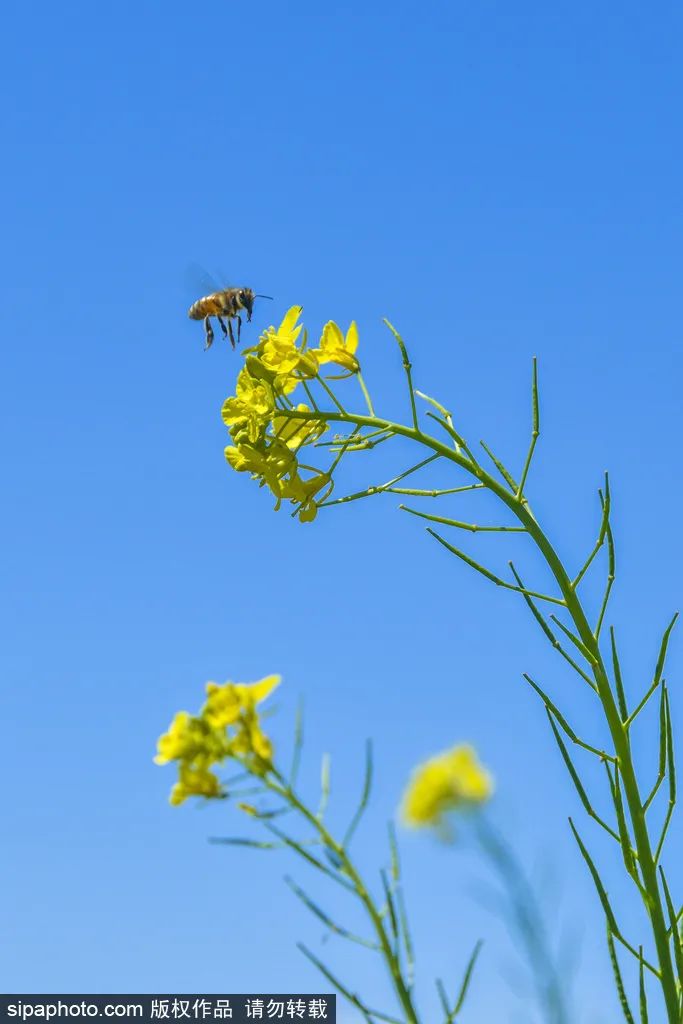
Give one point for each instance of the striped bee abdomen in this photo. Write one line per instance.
(206, 306)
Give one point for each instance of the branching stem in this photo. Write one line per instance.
(587, 640)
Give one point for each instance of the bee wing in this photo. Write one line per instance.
(198, 282)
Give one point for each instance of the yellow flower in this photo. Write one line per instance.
(281, 383)
(299, 490)
(228, 726)
(294, 432)
(187, 739)
(278, 351)
(304, 491)
(194, 781)
(226, 703)
(271, 461)
(335, 348)
(251, 740)
(233, 706)
(269, 464)
(447, 782)
(249, 410)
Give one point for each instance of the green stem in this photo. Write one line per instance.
(408, 368)
(535, 429)
(366, 393)
(590, 641)
(284, 790)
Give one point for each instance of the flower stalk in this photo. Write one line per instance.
(641, 852)
(228, 729)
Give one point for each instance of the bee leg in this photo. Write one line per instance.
(239, 327)
(221, 321)
(232, 336)
(209, 332)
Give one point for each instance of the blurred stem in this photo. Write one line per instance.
(589, 641)
(527, 921)
(278, 785)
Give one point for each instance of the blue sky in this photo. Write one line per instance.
(500, 181)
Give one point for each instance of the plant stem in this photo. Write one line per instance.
(590, 641)
(282, 788)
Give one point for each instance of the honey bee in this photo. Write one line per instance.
(226, 304)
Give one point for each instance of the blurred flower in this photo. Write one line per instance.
(448, 782)
(194, 781)
(227, 726)
(188, 739)
(252, 743)
(225, 703)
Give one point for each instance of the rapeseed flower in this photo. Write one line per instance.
(268, 464)
(227, 726)
(296, 433)
(304, 493)
(451, 781)
(233, 706)
(335, 348)
(189, 739)
(225, 703)
(195, 781)
(279, 353)
(249, 411)
(266, 439)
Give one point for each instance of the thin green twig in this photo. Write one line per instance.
(407, 366)
(535, 429)
(540, 618)
(661, 767)
(489, 575)
(611, 573)
(506, 475)
(472, 527)
(366, 393)
(365, 796)
(601, 534)
(379, 488)
(671, 773)
(562, 721)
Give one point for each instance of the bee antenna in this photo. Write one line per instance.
(257, 296)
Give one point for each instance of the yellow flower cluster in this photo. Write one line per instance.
(227, 726)
(448, 782)
(266, 441)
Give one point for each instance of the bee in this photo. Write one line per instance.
(226, 304)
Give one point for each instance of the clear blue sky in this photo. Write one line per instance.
(501, 180)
